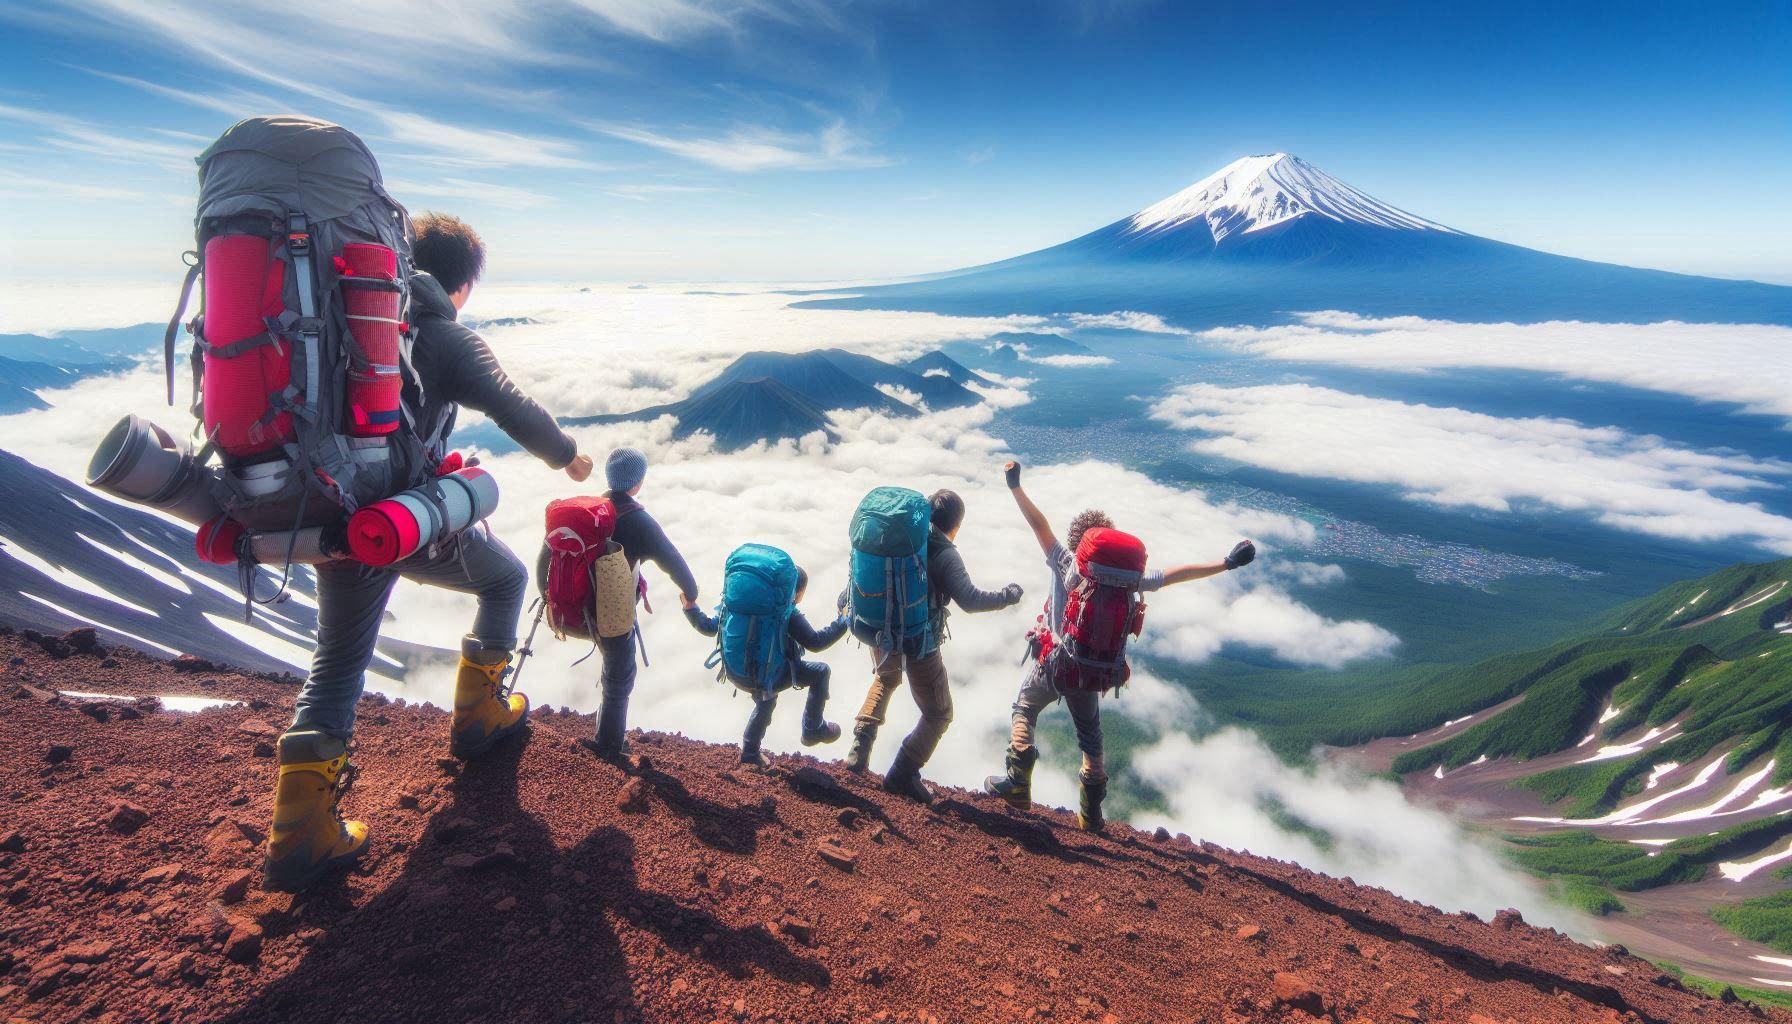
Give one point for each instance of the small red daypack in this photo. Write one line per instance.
(1102, 611)
(578, 534)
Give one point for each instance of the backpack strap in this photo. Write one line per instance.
(180, 306)
(298, 246)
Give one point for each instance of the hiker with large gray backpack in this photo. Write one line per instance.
(1077, 651)
(761, 637)
(327, 370)
(906, 572)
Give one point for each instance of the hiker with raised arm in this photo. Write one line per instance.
(761, 638)
(454, 368)
(906, 573)
(1098, 578)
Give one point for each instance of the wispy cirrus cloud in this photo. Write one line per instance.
(73, 135)
(23, 186)
(648, 193)
(508, 197)
(754, 148)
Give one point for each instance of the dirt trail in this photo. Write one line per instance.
(543, 885)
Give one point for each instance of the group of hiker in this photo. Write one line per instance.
(903, 590)
(329, 368)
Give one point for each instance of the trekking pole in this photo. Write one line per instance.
(528, 648)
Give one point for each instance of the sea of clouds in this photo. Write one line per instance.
(614, 350)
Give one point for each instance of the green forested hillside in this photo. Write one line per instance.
(1712, 650)
(1658, 639)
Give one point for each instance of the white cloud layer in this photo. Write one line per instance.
(656, 344)
(1743, 363)
(1454, 457)
(1218, 787)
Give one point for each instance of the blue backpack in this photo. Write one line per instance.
(889, 573)
(758, 598)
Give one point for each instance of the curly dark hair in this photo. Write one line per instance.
(1085, 521)
(802, 579)
(448, 250)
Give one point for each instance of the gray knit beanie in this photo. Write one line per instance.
(625, 469)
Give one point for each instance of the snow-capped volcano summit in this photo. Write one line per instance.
(1268, 234)
(1257, 192)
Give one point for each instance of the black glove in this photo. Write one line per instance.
(1012, 593)
(1242, 553)
(1012, 471)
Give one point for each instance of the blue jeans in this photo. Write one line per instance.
(618, 681)
(351, 600)
(808, 675)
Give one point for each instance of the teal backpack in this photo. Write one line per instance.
(758, 598)
(889, 573)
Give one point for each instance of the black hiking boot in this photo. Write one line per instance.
(859, 757)
(1088, 813)
(904, 779)
(1016, 787)
(826, 732)
(753, 757)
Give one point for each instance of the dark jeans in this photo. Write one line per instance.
(618, 681)
(351, 599)
(809, 675)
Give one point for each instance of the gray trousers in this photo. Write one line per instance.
(1037, 694)
(351, 600)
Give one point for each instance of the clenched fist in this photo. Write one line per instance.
(579, 468)
(1242, 553)
(1012, 471)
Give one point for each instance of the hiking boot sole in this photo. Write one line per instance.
(467, 749)
(1016, 801)
(275, 879)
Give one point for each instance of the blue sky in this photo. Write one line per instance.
(797, 140)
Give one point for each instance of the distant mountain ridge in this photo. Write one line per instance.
(772, 396)
(1271, 234)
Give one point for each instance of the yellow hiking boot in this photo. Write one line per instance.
(308, 839)
(483, 712)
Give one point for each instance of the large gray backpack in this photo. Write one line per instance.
(301, 361)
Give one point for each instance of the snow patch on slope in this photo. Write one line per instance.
(1257, 192)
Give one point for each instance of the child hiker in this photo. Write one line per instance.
(757, 594)
(641, 540)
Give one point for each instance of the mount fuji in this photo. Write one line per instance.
(1267, 235)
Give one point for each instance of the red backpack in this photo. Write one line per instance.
(578, 534)
(1105, 607)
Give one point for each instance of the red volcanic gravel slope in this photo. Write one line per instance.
(543, 885)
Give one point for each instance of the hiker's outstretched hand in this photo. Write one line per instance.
(1242, 554)
(686, 603)
(1012, 593)
(579, 468)
(1012, 471)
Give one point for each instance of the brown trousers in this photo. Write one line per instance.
(927, 682)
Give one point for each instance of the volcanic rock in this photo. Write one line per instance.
(700, 910)
(126, 818)
(632, 798)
